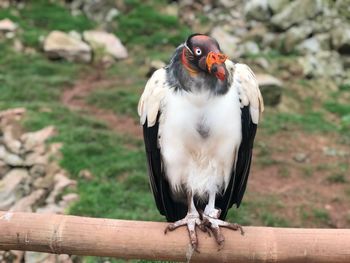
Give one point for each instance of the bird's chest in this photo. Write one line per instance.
(201, 118)
(199, 136)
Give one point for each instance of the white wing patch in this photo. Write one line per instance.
(248, 89)
(152, 96)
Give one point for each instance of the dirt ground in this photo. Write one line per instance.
(75, 99)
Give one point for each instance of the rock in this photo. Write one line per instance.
(26, 203)
(314, 44)
(343, 7)
(68, 199)
(325, 40)
(228, 42)
(36, 158)
(112, 14)
(61, 183)
(59, 45)
(37, 170)
(33, 139)
(226, 3)
(296, 12)
(50, 209)
(256, 33)
(322, 64)
(171, 9)
(19, 255)
(262, 62)
(11, 115)
(10, 140)
(10, 158)
(86, 174)
(341, 38)
(277, 6)
(75, 34)
(18, 46)
(46, 182)
(97, 10)
(30, 177)
(72, 197)
(155, 65)
(346, 63)
(295, 35)
(310, 45)
(37, 257)
(271, 89)
(4, 4)
(6, 25)
(271, 40)
(105, 43)
(11, 187)
(257, 10)
(334, 152)
(4, 168)
(301, 157)
(249, 48)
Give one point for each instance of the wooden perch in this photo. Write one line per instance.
(61, 234)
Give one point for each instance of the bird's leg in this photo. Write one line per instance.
(191, 220)
(211, 220)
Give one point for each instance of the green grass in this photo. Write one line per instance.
(144, 25)
(121, 101)
(39, 17)
(309, 122)
(321, 215)
(338, 108)
(259, 210)
(269, 219)
(337, 178)
(34, 83)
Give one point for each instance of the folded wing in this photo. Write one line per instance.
(243, 79)
(150, 111)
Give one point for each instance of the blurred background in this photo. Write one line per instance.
(71, 74)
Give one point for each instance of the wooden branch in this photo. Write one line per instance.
(61, 234)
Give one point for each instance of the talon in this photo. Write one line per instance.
(169, 227)
(205, 229)
(219, 237)
(219, 212)
(221, 246)
(213, 223)
(191, 220)
(235, 227)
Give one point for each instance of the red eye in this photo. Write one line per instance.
(198, 51)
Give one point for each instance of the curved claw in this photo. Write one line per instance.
(193, 239)
(219, 237)
(169, 228)
(235, 227)
(204, 228)
(214, 225)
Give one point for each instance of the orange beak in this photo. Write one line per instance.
(214, 63)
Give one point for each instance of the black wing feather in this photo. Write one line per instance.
(239, 176)
(167, 206)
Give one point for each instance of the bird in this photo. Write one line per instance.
(199, 116)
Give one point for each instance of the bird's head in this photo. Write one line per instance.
(202, 53)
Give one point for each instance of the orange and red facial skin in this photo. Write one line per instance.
(210, 60)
